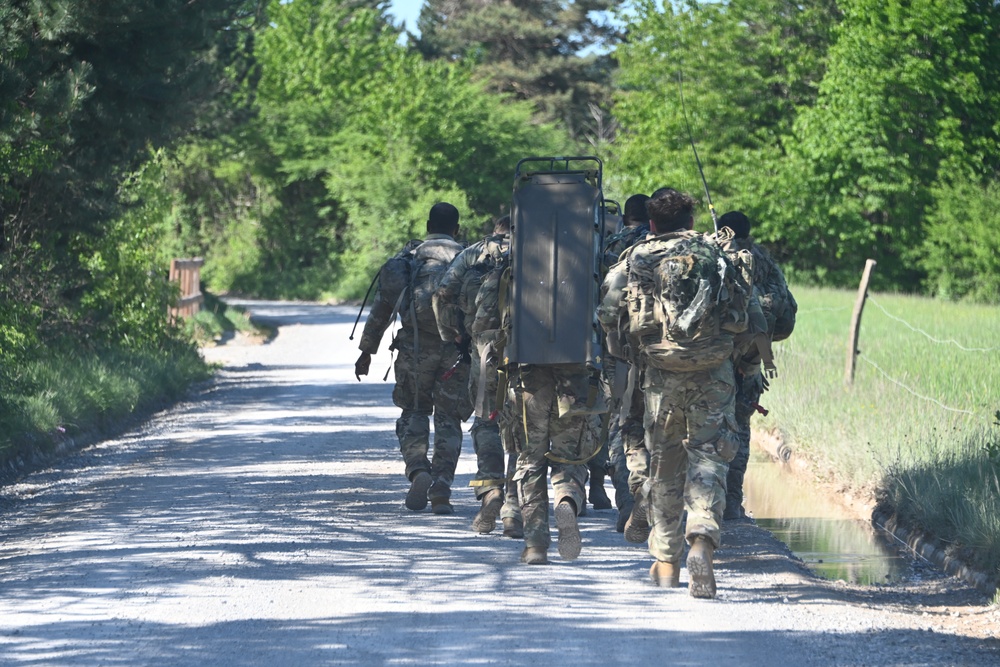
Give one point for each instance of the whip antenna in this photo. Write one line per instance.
(708, 195)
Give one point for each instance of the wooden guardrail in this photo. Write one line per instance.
(186, 273)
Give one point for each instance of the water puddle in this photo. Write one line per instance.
(825, 536)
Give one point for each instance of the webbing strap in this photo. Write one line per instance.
(484, 359)
(626, 406)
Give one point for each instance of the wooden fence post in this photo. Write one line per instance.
(859, 307)
(187, 273)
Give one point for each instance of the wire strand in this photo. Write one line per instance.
(918, 395)
(924, 333)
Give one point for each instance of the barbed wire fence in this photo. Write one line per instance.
(854, 353)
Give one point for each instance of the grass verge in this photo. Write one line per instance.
(916, 427)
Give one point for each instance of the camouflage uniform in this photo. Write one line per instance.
(689, 414)
(777, 306)
(557, 415)
(455, 305)
(420, 389)
(629, 459)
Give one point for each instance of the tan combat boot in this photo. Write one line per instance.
(486, 517)
(513, 527)
(569, 531)
(637, 526)
(666, 574)
(535, 556)
(699, 566)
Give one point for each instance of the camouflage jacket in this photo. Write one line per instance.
(393, 281)
(773, 302)
(455, 301)
(618, 243)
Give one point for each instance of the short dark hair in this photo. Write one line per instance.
(443, 219)
(635, 210)
(736, 221)
(670, 210)
(502, 225)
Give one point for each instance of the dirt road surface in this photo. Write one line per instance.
(262, 523)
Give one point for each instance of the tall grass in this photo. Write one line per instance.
(916, 425)
(68, 392)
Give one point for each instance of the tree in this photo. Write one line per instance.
(745, 67)
(908, 106)
(551, 53)
(88, 88)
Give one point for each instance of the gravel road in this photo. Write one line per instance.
(262, 523)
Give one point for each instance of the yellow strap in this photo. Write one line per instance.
(487, 482)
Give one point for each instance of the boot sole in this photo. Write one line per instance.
(702, 578)
(486, 519)
(569, 531)
(637, 526)
(416, 497)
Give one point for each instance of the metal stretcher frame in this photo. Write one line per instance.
(557, 224)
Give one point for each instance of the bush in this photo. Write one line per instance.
(962, 250)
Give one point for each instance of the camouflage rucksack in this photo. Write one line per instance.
(685, 302)
(429, 262)
(488, 317)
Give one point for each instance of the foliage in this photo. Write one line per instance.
(554, 54)
(744, 67)
(68, 392)
(962, 249)
(908, 101)
(355, 139)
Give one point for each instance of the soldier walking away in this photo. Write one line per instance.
(431, 378)
(681, 301)
(553, 347)
(468, 314)
(779, 308)
(628, 458)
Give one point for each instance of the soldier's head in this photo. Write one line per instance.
(670, 211)
(502, 225)
(738, 222)
(443, 219)
(635, 211)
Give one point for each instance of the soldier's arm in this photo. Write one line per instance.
(379, 319)
(612, 297)
(446, 309)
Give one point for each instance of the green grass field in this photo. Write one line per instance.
(918, 425)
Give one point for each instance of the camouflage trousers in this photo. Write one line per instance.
(420, 392)
(490, 464)
(748, 394)
(566, 435)
(690, 434)
(629, 458)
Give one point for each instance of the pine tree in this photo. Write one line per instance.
(551, 53)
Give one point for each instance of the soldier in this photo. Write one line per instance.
(779, 309)
(428, 380)
(629, 460)
(466, 308)
(556, 407)
(681, 312)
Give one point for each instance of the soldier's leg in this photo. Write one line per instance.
(451, 408)
(665, 430)
(597, 468)
(510, 513)
(711, 444)
(486, 441)
(535, 404)
(747, 395)
(634, 442)
(415, 401)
